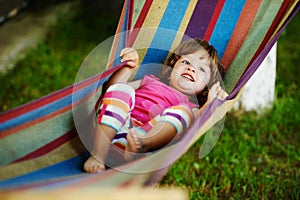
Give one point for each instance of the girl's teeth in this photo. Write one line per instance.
(187, 77)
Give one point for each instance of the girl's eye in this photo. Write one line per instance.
(186, 62)
(201, 69)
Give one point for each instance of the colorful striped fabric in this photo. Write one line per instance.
(40, 146)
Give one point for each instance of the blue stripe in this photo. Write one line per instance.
(226, 24)
(122, 36)
(49, 108)
(164, 37)
(64, 169)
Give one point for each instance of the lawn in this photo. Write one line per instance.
(256, 157)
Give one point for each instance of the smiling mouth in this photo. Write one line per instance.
(188, 77)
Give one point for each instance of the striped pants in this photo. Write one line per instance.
(115, 108)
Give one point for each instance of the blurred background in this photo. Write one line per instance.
(43, 44)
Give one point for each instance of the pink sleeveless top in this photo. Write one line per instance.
(153, 97)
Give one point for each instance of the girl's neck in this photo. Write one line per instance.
(191, 97)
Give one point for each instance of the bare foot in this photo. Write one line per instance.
(92, 165)
(133, 146)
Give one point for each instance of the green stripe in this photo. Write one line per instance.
(27, 140)
(138, 5)
(262, 22)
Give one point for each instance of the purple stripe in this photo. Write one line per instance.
(120, 135)
(201, 18)
(115, 115)
(180, 118)
(182, 146)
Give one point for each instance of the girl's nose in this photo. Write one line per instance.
(192, 69)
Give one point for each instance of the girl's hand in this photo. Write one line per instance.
(131, 56)
(216, 91)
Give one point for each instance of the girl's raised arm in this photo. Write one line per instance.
(215, 91)
(131, 57)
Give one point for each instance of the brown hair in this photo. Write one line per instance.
(191, 46)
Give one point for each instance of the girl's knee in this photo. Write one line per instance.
(179, 116)
(116, 105)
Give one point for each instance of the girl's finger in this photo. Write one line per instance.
(130, 63)
(126, 50)
(122, 52)
(222, 94)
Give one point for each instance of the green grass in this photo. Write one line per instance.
(255, 157)
(54, 63)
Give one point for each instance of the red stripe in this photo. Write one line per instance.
(139, 22)
(117, 37)
(5, 116)
(49, 147)
(240, 32)
(16, 129)
(270, 32)
(143, 14)
(119, 145)
(130, 14)
(272, 28)
(34, 104)
(41, 119)
(129, 21)
(100, 116)
(213, 20)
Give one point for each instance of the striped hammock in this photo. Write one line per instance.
(40, 145)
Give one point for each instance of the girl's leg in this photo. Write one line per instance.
(102, 140)
(114, 111)
(160, 135)
(158, 132)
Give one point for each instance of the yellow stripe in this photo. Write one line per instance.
(138, 5)
(152, 21)
(115, 102)
(64, 152)
(33, 137)
(184, 23)
(153, 121)
(288, 11)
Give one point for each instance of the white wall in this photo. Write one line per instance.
(259, 92)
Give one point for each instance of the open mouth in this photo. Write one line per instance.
(188, 77)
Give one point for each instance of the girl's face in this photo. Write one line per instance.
(191, 73)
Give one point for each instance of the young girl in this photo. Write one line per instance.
(147, 114)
